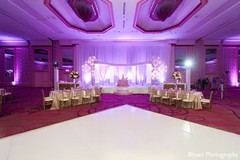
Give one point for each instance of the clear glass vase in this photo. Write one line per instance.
(177, 81)
(74, 82)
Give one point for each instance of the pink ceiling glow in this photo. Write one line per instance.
(162, 9)
(84, 15)
(84, 9)
(163, 15)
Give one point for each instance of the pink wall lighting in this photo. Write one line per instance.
(230, 63)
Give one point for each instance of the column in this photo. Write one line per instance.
(2, 66)
(56, 58)
(188, 79)
(56, 78)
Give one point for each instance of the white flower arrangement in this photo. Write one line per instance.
(74, 75)
(176, 75)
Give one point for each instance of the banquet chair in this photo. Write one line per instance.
(187, 102)
(47, 101)
(98, 90)
(86, 97)
(75, 98)
(154, 95)
(181, 86)
(172, 95)
(165, 97)
(177, 100)
(167, 86)
(157, 96)
(96, 95)
(7, 94)
(207, 102)
(151, 92)
(64, 100)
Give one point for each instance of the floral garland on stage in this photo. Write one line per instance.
(74, 75)
(177, 75)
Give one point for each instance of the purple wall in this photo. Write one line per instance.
(211, 69)
(23, 67)
(230, 63)
(42, 74)
(25, 75)
(197, 55)
(57, 56)
(227, 60)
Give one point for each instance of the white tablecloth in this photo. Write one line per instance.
(2, 90)
(57, 95)
(193, 95)
(196, 97)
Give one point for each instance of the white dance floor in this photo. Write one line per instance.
(123, 133)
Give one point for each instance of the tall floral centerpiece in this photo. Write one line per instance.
(88, 69)
(158, 67)
(74, 75)
(176, 75)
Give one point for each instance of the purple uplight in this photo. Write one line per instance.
(5, 38)
(13, 43)
(67, 66)
(8, 40)
(16, 74)
(232, 40)
(67, 70)
(237, 84)
(40, 62)
(212, 62)
(233, 77)
(8, 55)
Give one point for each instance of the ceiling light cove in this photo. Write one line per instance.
(84, 15)
(161, 9)
(162, 15)
(84, 9)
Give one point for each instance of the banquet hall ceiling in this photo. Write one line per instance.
(37, 20)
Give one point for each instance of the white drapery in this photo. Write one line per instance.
(110, 73)
(128, 58)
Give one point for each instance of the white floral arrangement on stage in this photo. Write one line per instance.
(74, 75)
(176, 75)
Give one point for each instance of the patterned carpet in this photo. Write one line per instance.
(24, 112)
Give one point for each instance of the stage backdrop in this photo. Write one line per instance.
(133, 59)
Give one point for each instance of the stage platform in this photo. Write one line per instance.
(125, 90)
